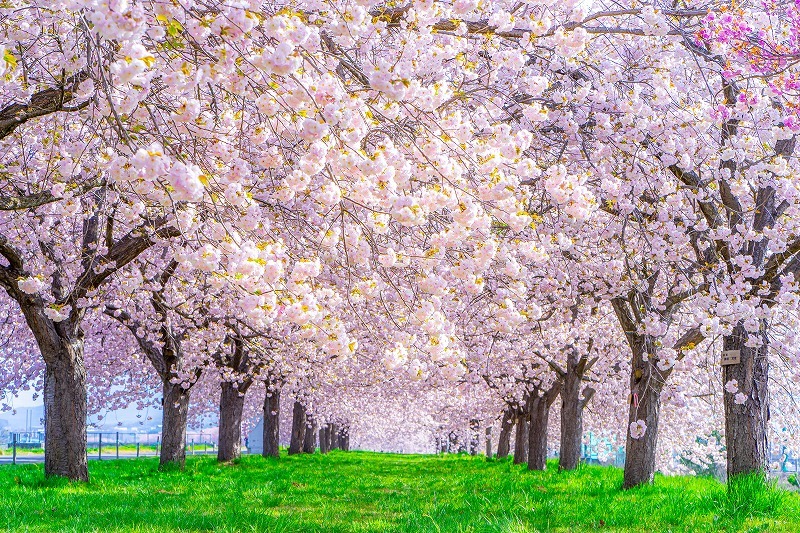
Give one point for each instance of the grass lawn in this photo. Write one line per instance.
(371, 492)
(108, 449)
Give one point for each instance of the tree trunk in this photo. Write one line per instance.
(298, 428)
(334, 436)
(65, 411)
(489, 442)
(272, 411)
(452, 443)
(644, 403)
(474, 428)
(173, 425)
(504, 441)
(572, 420)
(640, 454)
(571, 423)
(521, 439)
(310, 438)
(231, 405)
(746, 424)
(323, 439)
(539, 410)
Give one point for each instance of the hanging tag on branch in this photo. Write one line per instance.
(730, 357)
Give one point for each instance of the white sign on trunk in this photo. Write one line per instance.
(730, 357)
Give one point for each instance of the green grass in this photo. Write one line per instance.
(110, 449)
(370, 492)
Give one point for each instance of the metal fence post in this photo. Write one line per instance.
(117, 444)
(14, 448)
(137, 450)
(100, 447)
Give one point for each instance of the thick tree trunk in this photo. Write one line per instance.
(310, 438)
(504, 441)
(334, 436)
(572, 406)
(452, 443)
(746, 423)
(571, 423)
(173, 425)
(231, 405)
(521, 439)
(539, 410)
(272, 411)
(474, 428)
(65, 411)
(298, 428)
(640, 454)
(646, 384)
(323, 439)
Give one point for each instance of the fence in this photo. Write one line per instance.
(111, 445)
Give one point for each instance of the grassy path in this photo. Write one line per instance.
(369, 492)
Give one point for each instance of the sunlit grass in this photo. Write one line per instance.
(370, 492)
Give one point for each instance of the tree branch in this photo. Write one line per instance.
(30, 201)
(42, 103)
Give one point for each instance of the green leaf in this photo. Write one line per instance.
(10, 59)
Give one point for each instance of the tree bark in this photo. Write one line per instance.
(571, 423)
(521, 438)
(310, 438)
(746, 424)
(173, 425)
(646, 384)
(65, 401)
(231, 405)
(298, 428)
(323, 439)
(537, 433)
(272, 411)
(572, 406)
(474, 428)
(65, 412)
(504, 441)
(640, 454)
(334, 436)
(539, 412)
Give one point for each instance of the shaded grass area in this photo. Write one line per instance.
(371, 492)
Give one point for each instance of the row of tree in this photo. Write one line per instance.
(468, 208)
